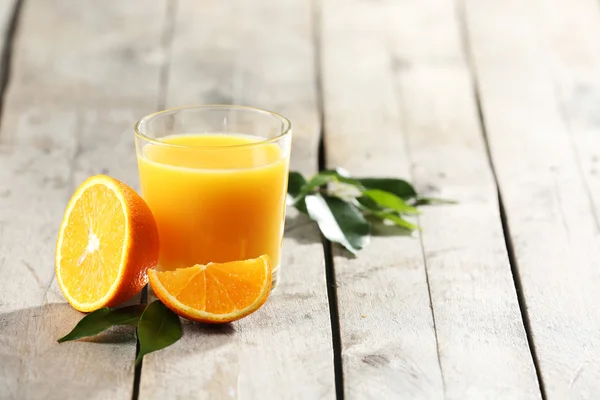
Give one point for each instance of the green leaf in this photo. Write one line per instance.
(300, 205)
(339, 221)
(340, 209)
(396, 219)
(368, 204)
(315, 182)
(398, 187)
(340, 175)
(297, 200)
(389, 201)
(102, 319)
(425, 201)
(322, 179)
(295, 183)
(158, 328)
(298, 188)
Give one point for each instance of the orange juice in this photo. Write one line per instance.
(215, 197)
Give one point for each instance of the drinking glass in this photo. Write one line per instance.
(215, 178)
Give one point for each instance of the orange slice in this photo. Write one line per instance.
(214, 293)
(107, 241)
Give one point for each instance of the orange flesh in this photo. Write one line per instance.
(93, 244)
(216, 288)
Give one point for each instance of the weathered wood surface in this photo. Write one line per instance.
(78, 81)
(387, 329)
(7, 12)
(539, 87)
(434, 316)
(260, 54)
(399, 102)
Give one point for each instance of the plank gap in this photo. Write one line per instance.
(166, 43)
(138, 373)
(519, 288)
(7, 51)
(336, 337)
(163, 84)
(435, 329)
(421, 244)
(562, 109)
(255, 54)
(467, 49)
(137, 376)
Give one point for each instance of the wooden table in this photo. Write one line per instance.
(495, 104)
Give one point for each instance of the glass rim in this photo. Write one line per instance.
(286, 130)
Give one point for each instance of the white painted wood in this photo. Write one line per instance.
(399, 102)
(259, 54)
(81, 75)
(539, 89)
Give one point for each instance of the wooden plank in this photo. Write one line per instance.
(395, 73)
(538, 84)
(387, 330)
(575, 59)
(7, 12)
(256, 54)
(81, 75)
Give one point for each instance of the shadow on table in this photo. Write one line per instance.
(380, 229)
(195, 328)
(301, 229)
(32, 355)
(47, 323)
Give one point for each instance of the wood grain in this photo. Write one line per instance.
(79, 80)
(399, 102)
(388, 337)
(574, 60)
(539, 88)
(259, 54)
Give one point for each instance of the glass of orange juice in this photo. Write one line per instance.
(215, 178)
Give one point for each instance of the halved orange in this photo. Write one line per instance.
(214, 293)
(107, 241)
